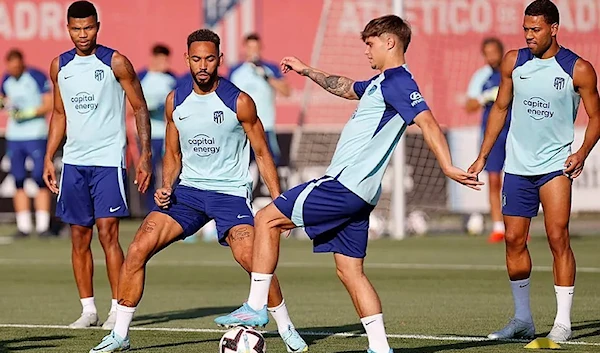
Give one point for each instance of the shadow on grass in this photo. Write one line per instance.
(29, 343)
(168, 316)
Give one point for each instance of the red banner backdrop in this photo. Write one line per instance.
(443, 55)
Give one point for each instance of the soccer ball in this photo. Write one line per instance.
(475, 224)
(416, 222)
(242, 339)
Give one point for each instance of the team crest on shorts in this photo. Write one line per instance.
(559, 83)
(218, 117)
(99, 75)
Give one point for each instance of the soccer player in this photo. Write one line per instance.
(209, 124)
(542, 86)
(261, 80)
(335, 208)
(28, 99)
(482, 93)
(157, 81)
(90, 84)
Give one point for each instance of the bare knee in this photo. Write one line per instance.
(515, 241)
(348, 273)
(81, 238)
(264, 219)
(269, 219)
(137, 255)
(241, 241)
(558, 238)
(108, 234)
(244, 259)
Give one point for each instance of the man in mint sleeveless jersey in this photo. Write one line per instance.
(211, 126)
(90, 85)
(541, 87)
(26, 92)
(335, 208)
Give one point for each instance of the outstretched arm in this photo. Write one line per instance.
(584, 80)
(246, 113)
(498, 113)
(435, 139)
(339, 85)
(56, 133)
(125, 73)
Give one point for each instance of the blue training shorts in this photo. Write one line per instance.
(335, 218)
(88, 193)
(521, 194)
(192, 208)
(18, 151)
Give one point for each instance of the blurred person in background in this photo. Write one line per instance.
(157, 81)
(481, 94)
(261, 80)
(91, 82)
(25, 94)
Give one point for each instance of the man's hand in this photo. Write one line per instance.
(50, 176)
(574, 165)
(467, 179)
(23, 114)
(291, 63)
(143, 173)
(477, 167)
(162, 197)
(488, 96)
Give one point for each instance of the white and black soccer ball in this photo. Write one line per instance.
(242, 339)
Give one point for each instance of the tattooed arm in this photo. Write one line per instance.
(125, 73)
(339, 85)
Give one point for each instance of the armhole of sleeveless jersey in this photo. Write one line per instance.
(65, 58)
(142, 73)
(523, 56)
(567, 60)
(105, 55)
(228, 93)
(182, 92)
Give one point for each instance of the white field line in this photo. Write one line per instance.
(390, 266)
(305, 333)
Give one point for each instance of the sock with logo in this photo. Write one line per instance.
(259, 290)
(564, 300)
(520, 292)
(124, 317)
(282, 318)
(376, 333)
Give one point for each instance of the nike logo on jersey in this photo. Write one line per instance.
(184, 117)
(68, 77)
(524, 77)
(242, 216)
(112, 210)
